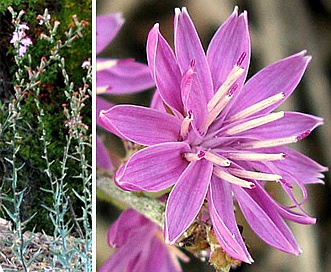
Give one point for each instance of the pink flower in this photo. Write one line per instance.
(115, 76)
(19, 39)
(140, 246)
(218, 138)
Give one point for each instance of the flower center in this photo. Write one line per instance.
(226, 161)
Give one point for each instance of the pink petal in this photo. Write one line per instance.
(281, 76)
(228, 45)
(102, 104)
(301, 218)
(154, 168)
(135, 238)
(188, 47)
(157, 102)
(288, 213)
(142, 261)
(304, 169)
(107, 27)
(186, 199)
(296, 168)
(265, 220)
(159, 259)
(192, 91)
(165, 70)
(122, 76)
(221, 210)
(118, 261)
(292, 124)
(103, 159)
(122, 230)
(142, 125)
(290, 177)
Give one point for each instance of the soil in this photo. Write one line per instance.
(39, 246)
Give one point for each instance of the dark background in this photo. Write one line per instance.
(278, 29)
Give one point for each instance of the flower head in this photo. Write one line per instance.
(218, 139)
(45, 18)
(140, 246)
(20, 40)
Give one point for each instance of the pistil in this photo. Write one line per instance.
(257, 107)
(254, 175)
(255, 123)
(255, 156)
(232, 179)
(235, 73)
(224, 94)
(217, 109)
(274, 142)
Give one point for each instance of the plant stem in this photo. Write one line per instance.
(151, 208)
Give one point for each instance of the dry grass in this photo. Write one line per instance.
(40, 248)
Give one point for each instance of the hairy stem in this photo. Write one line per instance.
(151, 208)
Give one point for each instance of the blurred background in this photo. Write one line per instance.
(278, 29)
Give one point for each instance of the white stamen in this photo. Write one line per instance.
(102, 89)
(232, 179)
(255, 156)
(223, 95)
(194, 156)
(269, 143)
(216, 159)
(255, 123)
(215, 112)
(235, 73)
(185, 125)
(254, 175)
(102, 65)
(257, 107)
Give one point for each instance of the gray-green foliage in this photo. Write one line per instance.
(31, 149)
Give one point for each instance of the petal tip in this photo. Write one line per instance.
(120, 17)
(235, 10)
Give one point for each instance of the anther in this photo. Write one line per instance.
(286, 184)
(303, 135)
(241, 59)
(194, 156)
(232, 89)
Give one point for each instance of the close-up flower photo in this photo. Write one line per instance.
(212, 136)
